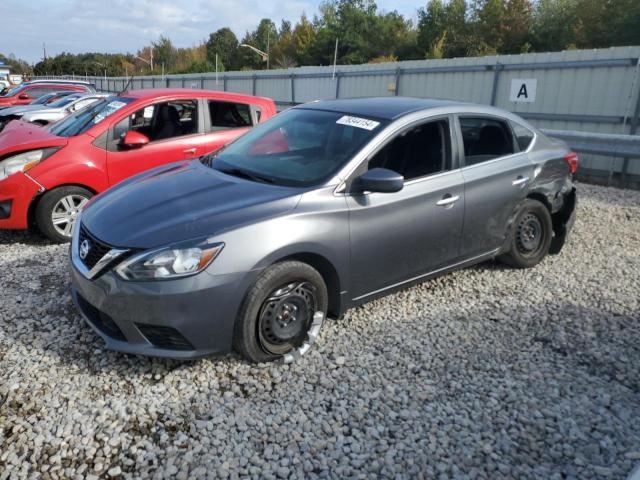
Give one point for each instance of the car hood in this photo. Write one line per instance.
(19, 110)
(44, 110)
(181, 201)
(20, 136)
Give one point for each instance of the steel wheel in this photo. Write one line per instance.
(286, 316)
(529, 235)
(65, 212)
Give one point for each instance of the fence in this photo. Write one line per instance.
(580, 90)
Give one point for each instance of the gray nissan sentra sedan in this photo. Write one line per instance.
(325, 206)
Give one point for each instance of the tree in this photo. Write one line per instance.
(554, 25)
(164, 53)
(224, 43)
(432, 27)
(302, 37)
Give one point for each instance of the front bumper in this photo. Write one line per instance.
(17, 191)
(183, 318)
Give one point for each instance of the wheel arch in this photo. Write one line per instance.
(328, 272)
(31, 212)
(540, 197)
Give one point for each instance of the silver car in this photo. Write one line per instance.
(16, 112)
(61, 108)
(321, 208)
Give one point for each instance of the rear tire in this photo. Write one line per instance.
(531, 234)
(58, 209)
(277, 311)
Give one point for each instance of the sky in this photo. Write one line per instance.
(112, 26)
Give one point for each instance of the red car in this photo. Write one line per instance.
(48, 174)
(28, 92)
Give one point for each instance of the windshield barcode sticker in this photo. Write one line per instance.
(358, 122)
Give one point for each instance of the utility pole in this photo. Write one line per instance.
(151, 58)
(335, 59)
(44, 51)
(216, 69)
(268, 40)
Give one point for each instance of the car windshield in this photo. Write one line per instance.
(84, 119)
(13, 91)
(299, 147)
(44, 99)
(63, 101)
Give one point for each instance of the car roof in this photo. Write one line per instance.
(60, 82)
(388, 108)
(190, 92)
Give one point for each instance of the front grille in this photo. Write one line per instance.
(97, 249)
(100, 320)
(164, 337)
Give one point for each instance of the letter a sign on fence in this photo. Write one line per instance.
(523, 90)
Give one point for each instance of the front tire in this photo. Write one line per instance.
(277, 314)
(58, 209)
(531, 234)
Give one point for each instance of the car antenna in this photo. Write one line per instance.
(127, 85)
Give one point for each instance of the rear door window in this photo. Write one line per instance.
(523, 135)
(226, 115)
(485, 138)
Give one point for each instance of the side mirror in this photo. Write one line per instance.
(23, 96)
(135, 139)
(379, 180)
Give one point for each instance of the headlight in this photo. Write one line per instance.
(171, 262)
(24, 161)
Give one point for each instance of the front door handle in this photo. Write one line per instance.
(190, 151)
(520, 181)
(448, 200)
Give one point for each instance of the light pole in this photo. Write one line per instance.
(148, 62)
(263, 55)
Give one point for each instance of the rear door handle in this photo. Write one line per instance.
(190, 151)
(448, 200)
(520, 181)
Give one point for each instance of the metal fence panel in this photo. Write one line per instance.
(579, 90)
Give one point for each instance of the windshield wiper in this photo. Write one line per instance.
(238, 172)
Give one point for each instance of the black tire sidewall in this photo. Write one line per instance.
(45, 208)
(245, 337)
(514, 257)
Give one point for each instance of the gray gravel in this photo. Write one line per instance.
(484, 373)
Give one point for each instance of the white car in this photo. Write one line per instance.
(61, 108)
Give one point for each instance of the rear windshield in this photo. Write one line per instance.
(81, 121)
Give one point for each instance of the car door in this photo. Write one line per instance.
(399, 236)
(174, 132)
(226, 121)
(496, 175)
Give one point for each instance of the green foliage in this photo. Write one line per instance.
(224, 43)
(17, 66)
(445, 28)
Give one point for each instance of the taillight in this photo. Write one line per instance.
(572, 159)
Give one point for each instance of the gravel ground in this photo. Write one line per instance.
(484, 373)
